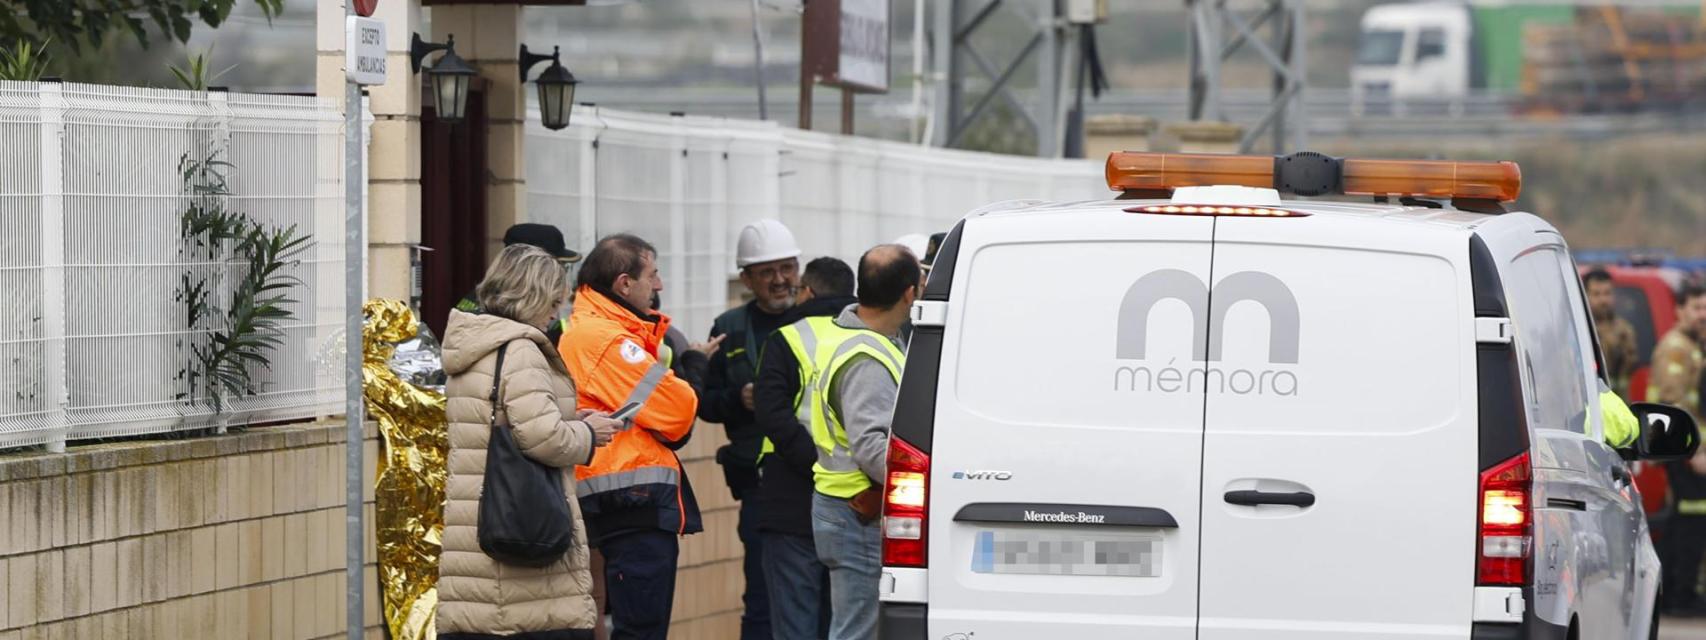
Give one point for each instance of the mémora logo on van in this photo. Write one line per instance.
(1131, 342)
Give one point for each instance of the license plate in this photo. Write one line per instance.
(1067, 553)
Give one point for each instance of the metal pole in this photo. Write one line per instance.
(917, 71)
(1282, 43)
(1299, 61)
(1048, 81)
(846, 111)
(805, 71)
(758, 64)
(354, 241)
(941, 128)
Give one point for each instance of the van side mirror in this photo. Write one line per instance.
(1668, 434)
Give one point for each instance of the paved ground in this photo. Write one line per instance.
(1679, 629)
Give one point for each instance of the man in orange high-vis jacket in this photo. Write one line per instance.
(634, 495)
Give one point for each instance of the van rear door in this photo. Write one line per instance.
(1067, 446)
(1340, 470)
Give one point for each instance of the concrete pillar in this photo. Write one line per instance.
(1205, 136)
(1108, 133)
(489, 38)
(394, 152)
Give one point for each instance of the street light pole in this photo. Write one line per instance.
(758, 64)
(354, 271)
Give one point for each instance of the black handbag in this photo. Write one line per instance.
(524, 513)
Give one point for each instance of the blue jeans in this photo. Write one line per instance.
(854, 554)
(639, 581)
(755, 617)
(800, 608)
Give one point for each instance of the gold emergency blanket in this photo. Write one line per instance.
(410, 491)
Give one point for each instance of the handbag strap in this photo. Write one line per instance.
(497, 379)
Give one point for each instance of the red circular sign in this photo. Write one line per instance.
(364, 8)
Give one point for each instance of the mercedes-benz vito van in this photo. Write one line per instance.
(1204, 411)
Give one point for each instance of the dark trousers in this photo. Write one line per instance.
(800, 605)
(639, 581)
(1680, 552)
(755, 620)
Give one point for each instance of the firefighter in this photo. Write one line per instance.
(1616, 335)
(1677, 367)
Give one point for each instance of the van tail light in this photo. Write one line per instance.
(906, 506)
(1506, 537)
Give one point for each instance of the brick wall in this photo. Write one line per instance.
(242, 536)
(709, 582)
(233, 536)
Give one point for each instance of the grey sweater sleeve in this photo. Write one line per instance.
(865, 395)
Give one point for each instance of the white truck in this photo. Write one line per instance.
(1560, 55)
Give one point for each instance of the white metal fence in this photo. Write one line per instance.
(688, 184)
(95, 337)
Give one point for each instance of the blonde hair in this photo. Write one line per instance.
(523, 284)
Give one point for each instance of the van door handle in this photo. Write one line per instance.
(1254, 498)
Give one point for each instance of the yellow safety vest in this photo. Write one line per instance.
(1621, 425)
(836, 474)
(801, 338)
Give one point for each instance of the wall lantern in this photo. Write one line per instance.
(556, 87)
(450, 77)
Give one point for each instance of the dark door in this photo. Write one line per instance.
(453, 209)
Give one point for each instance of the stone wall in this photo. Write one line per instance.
(231, 536)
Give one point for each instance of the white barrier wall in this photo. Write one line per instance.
(688, 184)
(94, 335)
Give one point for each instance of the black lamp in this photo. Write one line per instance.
(556, 87)
(450, 77)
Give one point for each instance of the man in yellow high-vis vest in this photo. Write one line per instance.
(782, 409)
(858, 363)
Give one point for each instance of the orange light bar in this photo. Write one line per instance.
(1314, 174)
(1129, 171)
(1496, 181)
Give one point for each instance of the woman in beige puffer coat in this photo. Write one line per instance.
(480, 598)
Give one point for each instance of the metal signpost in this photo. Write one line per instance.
(364, 64)
(844, 43)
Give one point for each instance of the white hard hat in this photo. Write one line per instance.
(918, 243)
(763, 241)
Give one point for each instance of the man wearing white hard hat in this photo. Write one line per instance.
(769, 263)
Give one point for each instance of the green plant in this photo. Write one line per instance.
(24, 62)
(194, 74)
(241, 334)
(75, 22)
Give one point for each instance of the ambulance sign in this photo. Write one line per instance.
(364, 51)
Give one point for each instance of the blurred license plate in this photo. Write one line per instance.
(1067, 553)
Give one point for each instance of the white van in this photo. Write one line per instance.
(1206, 412)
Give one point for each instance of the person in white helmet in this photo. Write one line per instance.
(768, 259)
